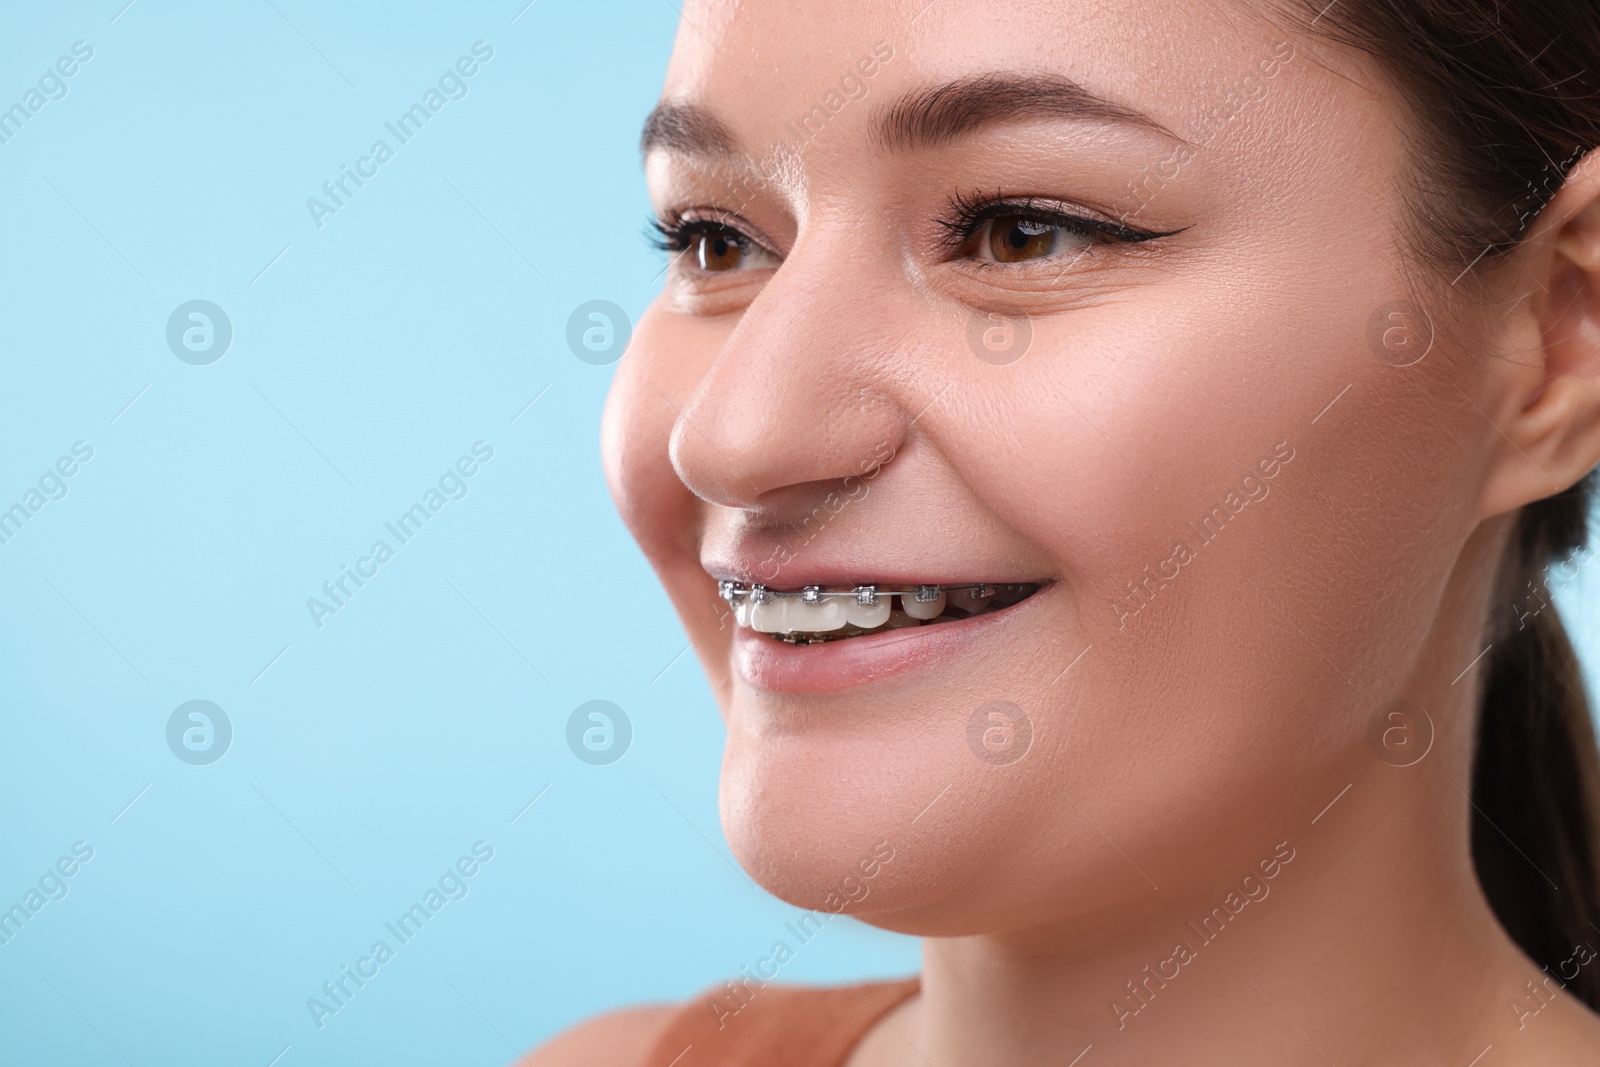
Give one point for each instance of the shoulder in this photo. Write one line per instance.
(616, 1039)
(738, 1023)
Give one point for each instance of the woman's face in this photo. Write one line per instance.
(1104, 298)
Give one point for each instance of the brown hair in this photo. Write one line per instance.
(1507, 98)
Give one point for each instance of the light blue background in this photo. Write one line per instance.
(407, 728)
(371, 753)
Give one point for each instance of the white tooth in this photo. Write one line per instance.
(867, 616)
(829, 613)
(924, 609)
(741, 611)
(771, 617)
(963, 598)
(899, 620)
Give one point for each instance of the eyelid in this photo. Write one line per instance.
(971, 214)
(703, 218)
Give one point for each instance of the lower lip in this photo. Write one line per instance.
(778, 667)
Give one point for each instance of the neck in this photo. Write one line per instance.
(1374, 918)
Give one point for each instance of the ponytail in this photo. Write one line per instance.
(1535, 780)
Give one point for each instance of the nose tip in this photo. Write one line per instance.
(757, 425)
(707, 465)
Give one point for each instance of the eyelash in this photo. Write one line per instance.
(969, 215)
(677, 234)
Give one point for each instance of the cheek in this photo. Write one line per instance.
(665, 360)
(656, 372)
(1127, 443)
(1287, 622)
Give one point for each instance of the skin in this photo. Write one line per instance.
(1175, 748)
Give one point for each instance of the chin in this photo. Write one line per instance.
(819, 809)
(885, 814)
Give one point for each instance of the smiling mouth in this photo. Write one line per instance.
(817, 614)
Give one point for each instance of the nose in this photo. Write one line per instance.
(802, 392)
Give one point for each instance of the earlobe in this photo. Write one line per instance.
(1552, 418)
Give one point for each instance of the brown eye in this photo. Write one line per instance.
(703, 247)
(718, 251)
(1016, 239)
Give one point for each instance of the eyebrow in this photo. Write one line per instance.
(943, 113)
(686, 128)
(924, 118)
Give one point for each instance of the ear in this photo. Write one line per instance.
(1546, 396)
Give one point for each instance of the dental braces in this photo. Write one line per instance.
(865, 595)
